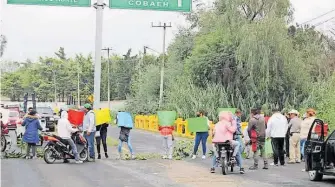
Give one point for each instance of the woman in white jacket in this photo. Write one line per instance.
(64, 131)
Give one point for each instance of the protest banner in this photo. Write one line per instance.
(124, 119)
(166, 118)
(199, 124)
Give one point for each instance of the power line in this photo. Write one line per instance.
(318, 16)
(324, 21)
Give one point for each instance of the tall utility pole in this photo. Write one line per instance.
(99, 5)
(164, 26)
(108, 74)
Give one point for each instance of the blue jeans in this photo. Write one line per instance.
(214, 164)
(239, 153)
(73, 147)
(119, 148)
(302, 145)
(200, 136)
(90, 143)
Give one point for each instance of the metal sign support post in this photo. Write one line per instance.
(99, 5)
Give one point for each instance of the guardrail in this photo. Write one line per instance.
(150, 123)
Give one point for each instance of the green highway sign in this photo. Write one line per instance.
(73, 3)
(163, 5)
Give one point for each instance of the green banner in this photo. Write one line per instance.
(199, 124)
(166, 118)
(163, 5)
(72, 3)
(232, 110)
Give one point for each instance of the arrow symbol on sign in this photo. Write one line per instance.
(179, 3)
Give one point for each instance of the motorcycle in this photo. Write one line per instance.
(59, 149)
(224, 159)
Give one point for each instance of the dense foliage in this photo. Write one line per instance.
(38, 77)
(237, 53)
(3, 42)
(243, 54)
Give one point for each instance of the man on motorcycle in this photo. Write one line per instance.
(224, 131)
(64, 131)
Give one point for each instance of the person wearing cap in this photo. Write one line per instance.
(295, 128)
(89, 130)
(276, 130)
(305, 126)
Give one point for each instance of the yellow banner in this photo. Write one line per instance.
(102, 116)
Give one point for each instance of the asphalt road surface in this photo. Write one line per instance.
(149, 173)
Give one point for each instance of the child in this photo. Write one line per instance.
(168, 139)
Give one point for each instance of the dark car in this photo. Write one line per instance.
(46, 115)
(320, 151)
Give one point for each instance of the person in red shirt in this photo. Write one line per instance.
(168, 139)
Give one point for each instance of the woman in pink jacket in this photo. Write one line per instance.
(224, 131)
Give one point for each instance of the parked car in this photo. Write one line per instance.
(320, 151)
(47, 118)
(2, 105)
(13, 106)
(13, 119)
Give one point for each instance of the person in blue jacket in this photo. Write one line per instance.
(31, 136)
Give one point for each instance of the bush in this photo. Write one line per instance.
(186, 98)
(183, 149)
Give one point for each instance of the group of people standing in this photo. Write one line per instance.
(99, 133)
(92, 133)
(281, 129)
(227, 129)
(292, 131)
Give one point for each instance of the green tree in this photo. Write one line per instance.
(3, 43)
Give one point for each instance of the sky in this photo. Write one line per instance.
(34, 31)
